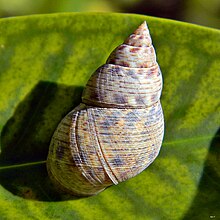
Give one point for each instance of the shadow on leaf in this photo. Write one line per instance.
(206, 202)
(26, 137)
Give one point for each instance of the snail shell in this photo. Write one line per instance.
(117, 130)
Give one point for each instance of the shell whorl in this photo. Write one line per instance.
(117, 130)
(130, 78)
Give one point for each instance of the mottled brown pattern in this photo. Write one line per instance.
(132, 84)
(136, 57)
(134, 49)
(117, 132)
(138, 40)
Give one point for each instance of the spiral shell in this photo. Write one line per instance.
(117, 130)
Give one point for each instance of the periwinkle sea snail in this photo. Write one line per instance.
(117, 130)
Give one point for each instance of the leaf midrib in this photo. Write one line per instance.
(168, 143)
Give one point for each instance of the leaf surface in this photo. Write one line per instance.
(46, 61)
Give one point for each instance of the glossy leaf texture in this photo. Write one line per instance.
(46, 60)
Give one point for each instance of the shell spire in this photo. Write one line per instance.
(140, 37)
(134, 65)
(117, 130)
(137, 50)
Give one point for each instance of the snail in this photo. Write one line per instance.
(117, 130)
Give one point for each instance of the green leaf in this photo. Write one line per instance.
(46, 61)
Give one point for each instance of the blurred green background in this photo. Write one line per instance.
(201, 12)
